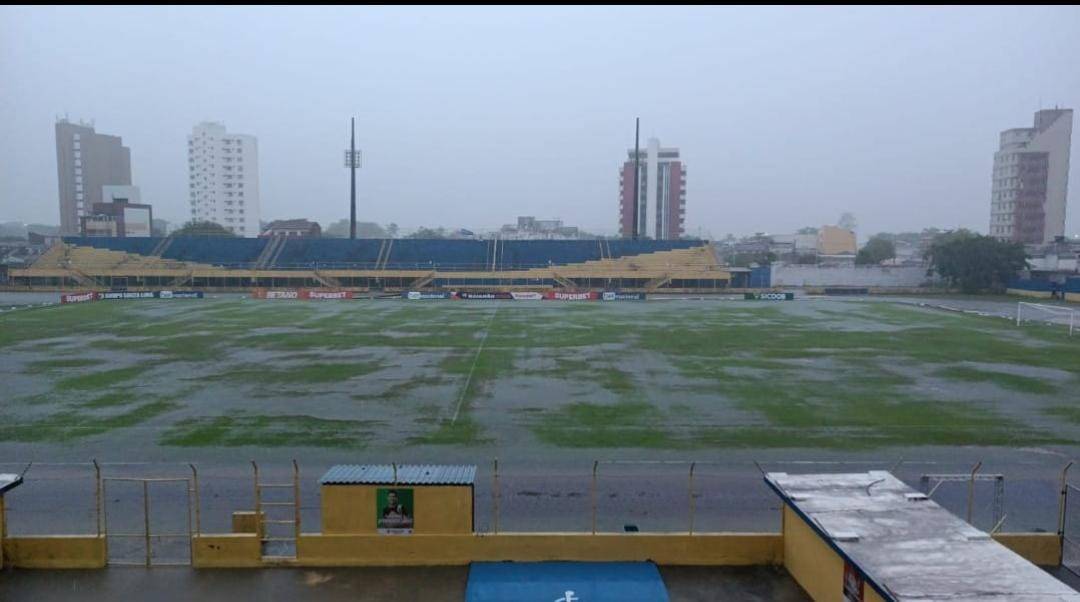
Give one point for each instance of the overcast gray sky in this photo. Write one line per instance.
(471, 116)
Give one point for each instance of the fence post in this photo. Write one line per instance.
(146, 517)
(495, 497)
(971, 491)
(97, 495)
(1063, 501)
(258, 502)
(296, 501)
(198, 504)
(692, 464)
(596, 463)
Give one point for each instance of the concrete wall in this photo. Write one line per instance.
(233, 550)
(434, 550)
(55, 552)
(350, 509)
(870, 276)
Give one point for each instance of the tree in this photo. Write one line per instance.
(428, 233)
(876, 250)
(975, 262)
(807, 230)
(392, 230)
(194, 228)
(340, 229)
(847, 221)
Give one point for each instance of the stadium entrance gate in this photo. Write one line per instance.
(147, 521)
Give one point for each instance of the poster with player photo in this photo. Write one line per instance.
(394, 510)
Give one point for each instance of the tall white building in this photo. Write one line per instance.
(223, 178)
(1031, 180)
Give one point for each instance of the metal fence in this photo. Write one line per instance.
(155, 505)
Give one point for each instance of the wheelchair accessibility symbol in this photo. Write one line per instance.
(568, 597)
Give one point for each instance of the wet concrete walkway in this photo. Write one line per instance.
(431, 584)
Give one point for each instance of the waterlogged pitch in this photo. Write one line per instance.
(380, 375)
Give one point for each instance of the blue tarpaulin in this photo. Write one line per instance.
(565, 582)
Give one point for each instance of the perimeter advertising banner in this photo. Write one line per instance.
(128, 295)
(616, 296)
(561, 296)
(303, 293)
(78, 297)
(419, 296)
(527, 296)
(180, 295)
(483, 295)
(769, 296)
(308, 294)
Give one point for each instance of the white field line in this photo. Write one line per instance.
(476, 358)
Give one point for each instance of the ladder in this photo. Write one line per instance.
(277, 518)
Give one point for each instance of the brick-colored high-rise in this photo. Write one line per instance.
(661, 194)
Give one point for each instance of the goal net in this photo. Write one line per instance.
(1047, 314)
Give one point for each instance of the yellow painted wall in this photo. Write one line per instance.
(55, 552)
(350, 509)
(1043, 549)
(1073, 297)
(243, 521)
(433, 550)
(3, 529)
(232, 550)
(810, 561)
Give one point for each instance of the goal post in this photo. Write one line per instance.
(1047, 314)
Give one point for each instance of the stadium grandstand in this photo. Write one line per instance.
(377, 264)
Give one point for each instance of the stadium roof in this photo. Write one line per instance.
(908, 546)
(400, 474)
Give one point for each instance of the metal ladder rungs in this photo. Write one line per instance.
(278, 539)
(278, 503)
(267, 485)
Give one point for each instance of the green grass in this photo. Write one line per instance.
(103, 379)
(43, 366)
(833, 375)
(628, 424)
(70, 425)
(304, 374)
(269, 431)
(1012, 382)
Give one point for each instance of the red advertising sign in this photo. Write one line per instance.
(78, 297)
(303, 293)
(564, 296)
(308, 294)
(853, 584)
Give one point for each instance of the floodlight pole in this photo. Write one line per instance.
(352, 170)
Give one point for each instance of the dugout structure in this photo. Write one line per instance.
(397, 499)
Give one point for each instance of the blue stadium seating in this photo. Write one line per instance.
(329, 253)
(405, 253)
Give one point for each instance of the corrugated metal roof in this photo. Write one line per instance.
(407, 474)
(9, 481)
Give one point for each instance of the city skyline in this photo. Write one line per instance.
(781, 136)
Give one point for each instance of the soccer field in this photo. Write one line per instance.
(144, 377)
